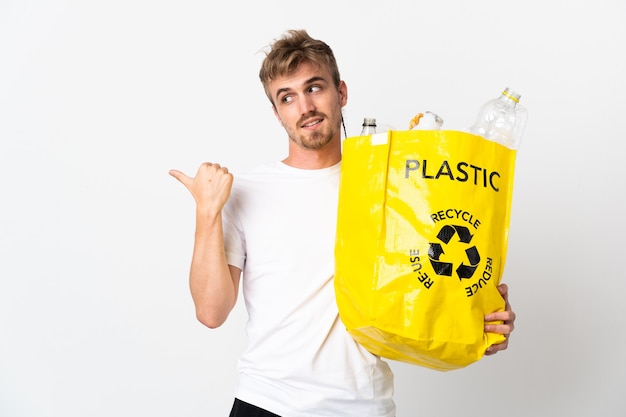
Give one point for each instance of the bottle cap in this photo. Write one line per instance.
(511, 94)
(369, 121)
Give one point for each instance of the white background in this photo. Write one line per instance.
(99, 99)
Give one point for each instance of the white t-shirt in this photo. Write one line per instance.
(279, 228)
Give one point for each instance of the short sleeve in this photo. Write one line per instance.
(234, 238)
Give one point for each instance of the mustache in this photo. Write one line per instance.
(310, 115)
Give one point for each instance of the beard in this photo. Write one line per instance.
(313, 141)
(317, 139)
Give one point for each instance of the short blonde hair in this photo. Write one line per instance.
(287, 53)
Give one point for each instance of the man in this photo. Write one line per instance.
(277, 225)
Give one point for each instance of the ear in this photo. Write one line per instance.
(343, 93)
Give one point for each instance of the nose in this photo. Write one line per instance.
(306, 104)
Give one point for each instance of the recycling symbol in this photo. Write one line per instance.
(445, 235)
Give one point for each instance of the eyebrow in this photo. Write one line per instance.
(307, 82)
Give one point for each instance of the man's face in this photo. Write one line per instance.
(308, 105)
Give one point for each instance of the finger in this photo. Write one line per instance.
(208, 168)
(503, 289)
(218, 167)
(499, 315)
(507, 314)
(212, 165)
(180, 176)
(505, 329)
(497, 347)
(212, 169)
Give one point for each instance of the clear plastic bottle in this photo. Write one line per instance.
(502, 120)
(426, 121)
(369, 126)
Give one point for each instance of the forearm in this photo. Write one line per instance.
(213, 287)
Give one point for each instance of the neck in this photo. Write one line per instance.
(325, 157)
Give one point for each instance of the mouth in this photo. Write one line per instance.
(312, 123)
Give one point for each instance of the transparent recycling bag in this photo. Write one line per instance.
(422, 236)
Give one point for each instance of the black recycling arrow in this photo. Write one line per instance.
(472, 255)
(446, 233)
(435, 251)
(442, 268)
(466, 271)
(464, 234)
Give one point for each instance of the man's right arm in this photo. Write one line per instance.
(214, 284)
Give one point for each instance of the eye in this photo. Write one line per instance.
(314, 88)
(286, 99)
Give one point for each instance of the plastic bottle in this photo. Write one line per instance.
(369, 126)
(426, 121)
(502, 120)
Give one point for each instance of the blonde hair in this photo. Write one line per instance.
(287, 53)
